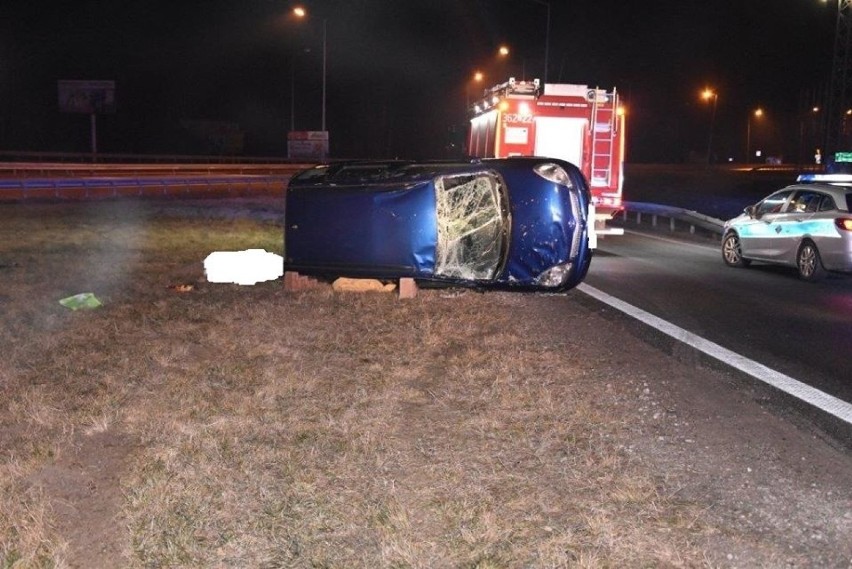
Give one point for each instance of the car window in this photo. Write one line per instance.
(472, 220)
(827, 203)
(849, 202)
(805, 201)
(313, 174)
(359, 173)
(773, 203)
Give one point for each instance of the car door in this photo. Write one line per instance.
(823, 229)
(792, 225)
(758, 234)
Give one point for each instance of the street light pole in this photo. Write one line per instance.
(547, 43)
(293, 93)
(757, 113)
(475, 80)
(502, 62)
(748, 140)
(324, 57)
(707, 95)
(300, 13)
(546, 36)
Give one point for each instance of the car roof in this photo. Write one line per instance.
(835, 190)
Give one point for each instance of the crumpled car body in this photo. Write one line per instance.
(515, 223)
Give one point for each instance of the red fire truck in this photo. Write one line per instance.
(582, 125)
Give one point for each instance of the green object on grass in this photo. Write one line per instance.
(82, 300)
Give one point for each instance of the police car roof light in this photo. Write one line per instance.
(828, 178)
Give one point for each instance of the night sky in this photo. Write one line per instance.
(399, 71)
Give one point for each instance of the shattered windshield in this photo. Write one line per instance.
(471, 225)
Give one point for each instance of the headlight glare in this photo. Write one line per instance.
(554, 276)
(553, 173)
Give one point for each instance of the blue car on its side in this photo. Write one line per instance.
(514, 223)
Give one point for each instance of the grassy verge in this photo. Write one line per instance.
(246, 426)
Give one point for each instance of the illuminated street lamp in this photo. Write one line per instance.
(500, 64)
(707, 95)
(758, 112)
(810, 127)
(477, 79)
(299, 13)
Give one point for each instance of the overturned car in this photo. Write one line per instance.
(516, 223)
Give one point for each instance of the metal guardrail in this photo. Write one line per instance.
(122, 182)
(76, 169)
(688, 219)
(83, 157)
(24, 189)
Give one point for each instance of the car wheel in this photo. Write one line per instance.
(809, 263)
(732, 252)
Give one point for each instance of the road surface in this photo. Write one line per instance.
(762, 312)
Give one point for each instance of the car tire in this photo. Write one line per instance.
(732, 252)
(809, 263)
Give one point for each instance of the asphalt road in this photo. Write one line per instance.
(762, 312)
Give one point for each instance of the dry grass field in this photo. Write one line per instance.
(238, 426)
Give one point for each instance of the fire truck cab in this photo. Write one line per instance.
(576, 123)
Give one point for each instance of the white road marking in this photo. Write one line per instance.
(823, 401)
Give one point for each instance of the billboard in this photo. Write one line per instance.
(307, 144)
(89, 97)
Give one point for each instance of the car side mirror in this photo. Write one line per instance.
(751, 211)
